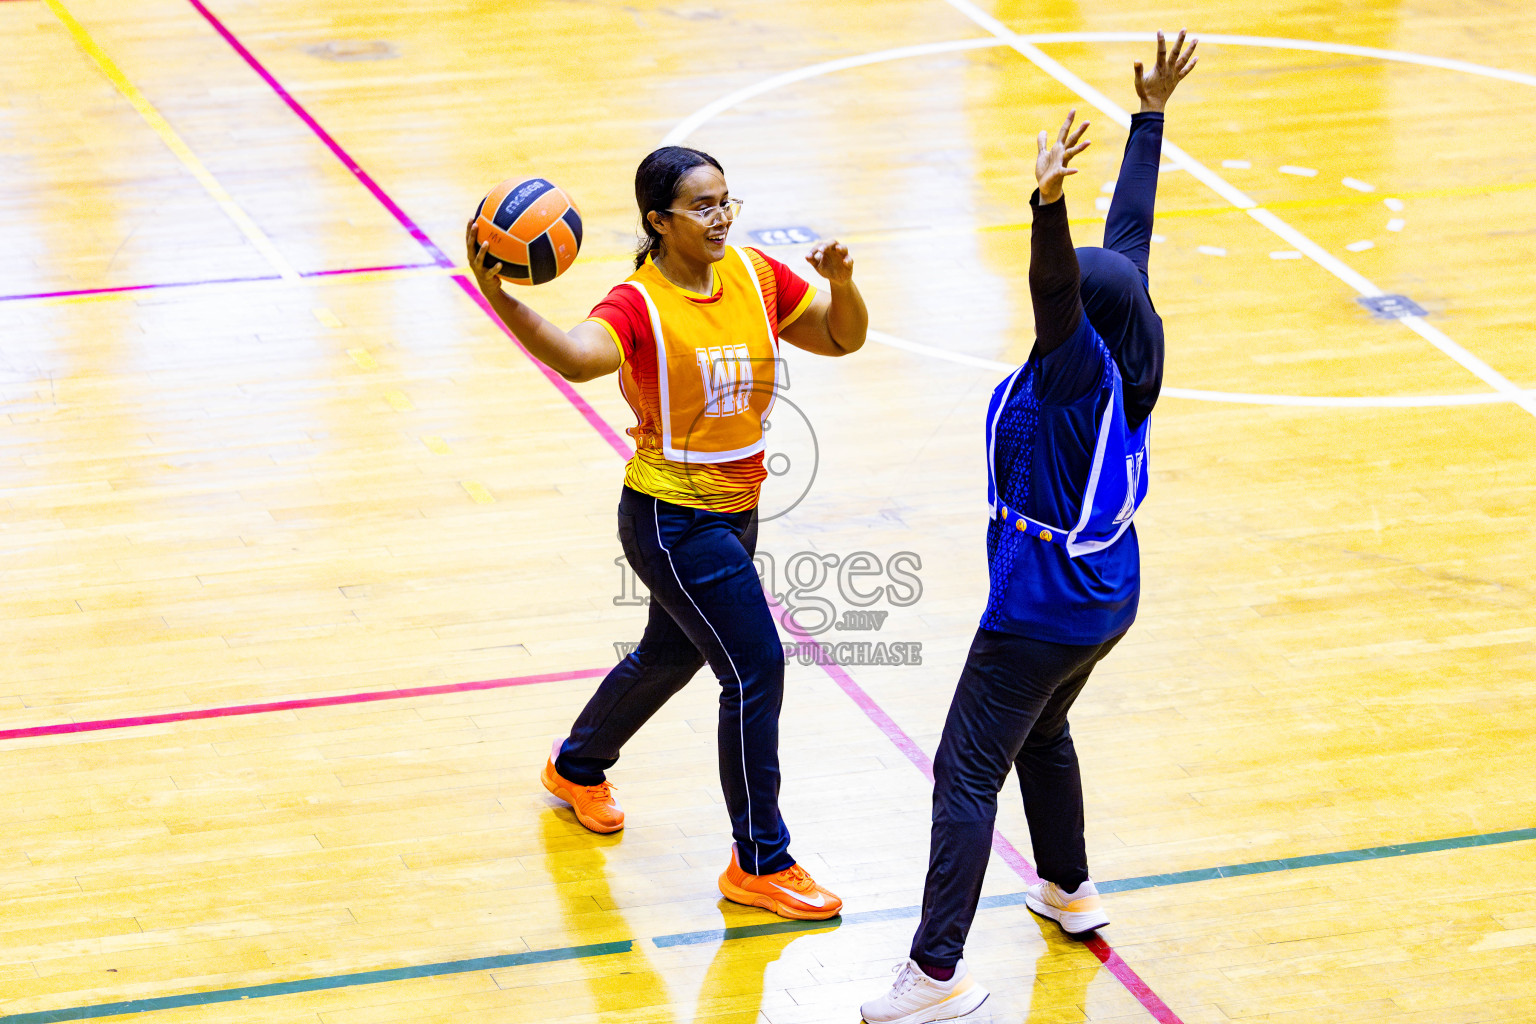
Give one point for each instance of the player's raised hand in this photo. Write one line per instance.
(1155, 86)
(1051, 162)
(831, 261)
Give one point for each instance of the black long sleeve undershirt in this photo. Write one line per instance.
(1128, 225)
(1053, 276)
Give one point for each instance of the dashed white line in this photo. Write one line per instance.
(1027, 48)
(1236, 197)
(1232, 397)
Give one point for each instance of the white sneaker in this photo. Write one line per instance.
(1078, 912)
(916, 998)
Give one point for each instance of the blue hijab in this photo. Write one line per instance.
(1116, 301)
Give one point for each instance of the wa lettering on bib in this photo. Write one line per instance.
(726, 371)
(713, 397)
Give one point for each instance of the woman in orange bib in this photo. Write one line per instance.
(694, 335)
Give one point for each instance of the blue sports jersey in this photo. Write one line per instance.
(1065, 474)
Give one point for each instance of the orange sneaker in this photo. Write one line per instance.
(595, 806)
(788, 893)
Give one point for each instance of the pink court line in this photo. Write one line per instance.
(369, 270)
(64, 728)
(74, 293)
(596, 422)
(893, 732)
(346, 160)
(561, 384)
(1010, 855)
(1111, 960)
(81, 292)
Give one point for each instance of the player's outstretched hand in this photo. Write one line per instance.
(1051, 163)
(831, 261)
(481, 264)
(1155, 86)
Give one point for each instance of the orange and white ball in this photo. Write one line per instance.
(533, 227)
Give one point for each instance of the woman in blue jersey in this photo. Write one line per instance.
(1067, 467)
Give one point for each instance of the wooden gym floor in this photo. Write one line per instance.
(303, 564)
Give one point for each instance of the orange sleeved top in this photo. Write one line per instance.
(700, 373)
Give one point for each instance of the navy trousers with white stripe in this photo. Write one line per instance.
(706, 605)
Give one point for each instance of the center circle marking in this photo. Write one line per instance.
(696, 120)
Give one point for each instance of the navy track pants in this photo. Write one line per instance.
(1009, 711)
(707, 605)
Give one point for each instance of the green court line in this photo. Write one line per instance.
(1315, 860)
(540, 956)
(283, 988)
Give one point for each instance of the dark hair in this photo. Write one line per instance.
(656, 188)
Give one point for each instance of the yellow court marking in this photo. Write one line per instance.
(477, 492)
(363, 358)
(1304, 578)
(174, 141)
(329, 319)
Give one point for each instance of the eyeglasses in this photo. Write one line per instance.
(726, 211)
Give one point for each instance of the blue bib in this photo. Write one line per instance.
(1063, 483)
(1117, 478)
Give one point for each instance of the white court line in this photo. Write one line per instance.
(1268, 43)
(1312, 401)
(692, 122)
(1025, 46)
(1219, 185)
(891, 341)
